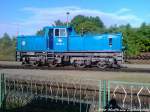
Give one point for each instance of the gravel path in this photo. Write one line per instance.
(137, 65)
(76, 75)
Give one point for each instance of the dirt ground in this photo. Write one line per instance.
(126, 65)
(76, 75)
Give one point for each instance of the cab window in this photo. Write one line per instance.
(61, 32)
(57, 32)
(110, 41)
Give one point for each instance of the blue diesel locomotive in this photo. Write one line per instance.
(61, 45)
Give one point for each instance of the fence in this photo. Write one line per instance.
(131, 96)
(92, 95)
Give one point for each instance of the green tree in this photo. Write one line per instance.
(7, 47)
(85, 24)
(40, 32)
(112, 29)
(136, 40)
(59, 23)
(5, 41)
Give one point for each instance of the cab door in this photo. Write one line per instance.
(50, 39)
(60, 39)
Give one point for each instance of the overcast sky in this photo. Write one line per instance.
(28, 16)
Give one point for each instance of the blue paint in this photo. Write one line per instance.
(31, 43)
(71, 42)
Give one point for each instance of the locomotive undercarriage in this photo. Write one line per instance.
(79, 60)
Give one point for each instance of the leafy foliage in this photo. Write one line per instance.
(136, 40)
(59, 23)
(7, 47)
(83, 24)
(40, 32)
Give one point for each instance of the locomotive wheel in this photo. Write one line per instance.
(36, 64)
(101, 65)
(25, 64)
(79, 65)
(52, 64)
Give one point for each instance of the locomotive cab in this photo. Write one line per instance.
(57, 38)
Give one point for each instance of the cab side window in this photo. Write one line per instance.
(61, 32)
(57, 32)
(110, 41)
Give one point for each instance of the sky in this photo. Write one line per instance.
(25, 17)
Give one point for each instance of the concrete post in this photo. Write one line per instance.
(2, 90)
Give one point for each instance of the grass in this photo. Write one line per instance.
(7, 58)
(134, 78)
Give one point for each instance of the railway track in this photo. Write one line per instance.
(122, 69)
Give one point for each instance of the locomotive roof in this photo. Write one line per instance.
(57, 27)
(51, 27)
